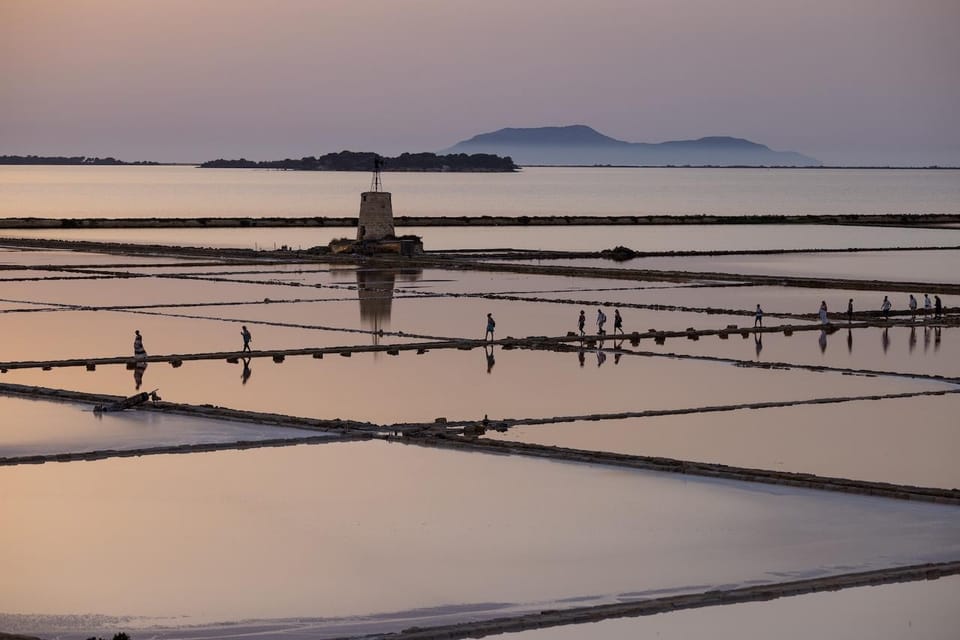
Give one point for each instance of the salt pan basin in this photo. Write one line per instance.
(37, 427)
(400, 535)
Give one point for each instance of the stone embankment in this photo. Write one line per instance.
(632, 609)
(442, 433)
(904, 219)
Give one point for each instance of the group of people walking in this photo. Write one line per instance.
(601, 322)
(934, 306)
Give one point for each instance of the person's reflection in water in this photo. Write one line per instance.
(926, 339)
(138, 374)
(913, 339)
(823, 341)
(488, 350)
(885, 339)
(936, 339)
(601, 356)
(758, 343)
(245, 374)
(849, 340)
(617, 354)
(582, 356)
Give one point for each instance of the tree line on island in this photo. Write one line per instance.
(363, 161)
(68, 160)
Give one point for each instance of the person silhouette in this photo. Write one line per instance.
(617, 322)
(823, 313)
(601, 320)
(758, 317)
(912, 303)
(247, 337)
(491, 325)
(582, 321)
(850, 311)
(138, 350)
(885, 307)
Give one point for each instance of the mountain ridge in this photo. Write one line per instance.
(581, 144)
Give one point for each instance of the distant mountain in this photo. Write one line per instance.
(581, 145)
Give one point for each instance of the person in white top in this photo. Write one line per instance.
(885, 307)
(927, 304)
(823, 313)
(913, 307)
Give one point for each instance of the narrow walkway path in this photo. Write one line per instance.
(666, 604)
(530, 342)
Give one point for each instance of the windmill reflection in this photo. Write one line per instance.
(375, 289)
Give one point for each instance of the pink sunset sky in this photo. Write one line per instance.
(846, 81)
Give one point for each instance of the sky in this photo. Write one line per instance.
(846, 81)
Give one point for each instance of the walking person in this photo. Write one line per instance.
(758, 317)
(617, 322)
(885, 307)
(247, 337)
(601, 320)
(850, 311)
(927, 305)
(823, 312)
(937, 307)
(582, 321)
(913, 308)
(491, 325)
(138, 351)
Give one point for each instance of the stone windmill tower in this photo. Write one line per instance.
(376, 210)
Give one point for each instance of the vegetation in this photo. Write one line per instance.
(363, 161)
(66, 160)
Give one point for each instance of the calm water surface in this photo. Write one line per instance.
(190, 192)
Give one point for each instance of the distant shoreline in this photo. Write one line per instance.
(90, 161)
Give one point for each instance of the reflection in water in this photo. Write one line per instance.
(375, 292)
(849, 340)
(913, 339)
(926, 339)
(885, 339)
(581, 356)
(245, 374)
(601, 355)
(936, 339)
(488, 351)
(758, 343)
(823, 341)
(138, 372)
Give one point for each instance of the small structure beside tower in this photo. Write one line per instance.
(375, 232)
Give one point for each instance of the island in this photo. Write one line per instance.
(69, 160)
(363, 161)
